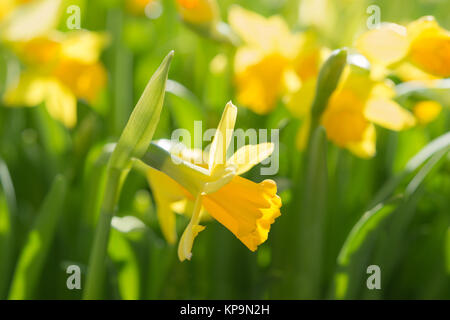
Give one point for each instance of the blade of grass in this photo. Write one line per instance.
(8, 211)
(37, 246)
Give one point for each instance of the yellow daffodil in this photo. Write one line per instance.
(272, 60)
(137, 7)
(423, 44)
(426, 111)
(357, 104)
(198, 12)
(244, 207)
(59, 68)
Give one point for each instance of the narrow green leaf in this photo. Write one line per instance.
(125, 260)
(7, 226)
(435, 146)
(367, 223)
(36, 248)
(312, 218)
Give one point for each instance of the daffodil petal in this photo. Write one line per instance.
(430, 46)
(29, 91)
(388, 114)
(61, 103)
(191, 231)
(83, 46)
(299, 102)
(250, 155)
(255, 30)
(366, 148)
(385, 45)
(222, 138)
(31, 20)
(187, 241)
(166, 193)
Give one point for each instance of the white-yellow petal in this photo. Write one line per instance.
(366, 148)
(222, 138)
(250, 155)
(31, 20)
(83, 46)
(61, 103)
(385, 45)
(388, 114)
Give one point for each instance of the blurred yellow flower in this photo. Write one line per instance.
(423, 44)
(8, 6)
(426, 111)
(357, 104)
(137, 7)
(198, 12)
(59, 68)
(272, 60)
(244, 207)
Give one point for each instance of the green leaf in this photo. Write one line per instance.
(312, 218)
(7, 227)
(434, 147)
(367, 223)
(125, 260)
(40, 238)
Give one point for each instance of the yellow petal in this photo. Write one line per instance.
(191, 232)
(409, 72)
(388, 114)
(250, 155)
(245, 208)
(267, 34)
(198, 11)
(222, 138)
(344, 118)
(299, 102)
(385, 45)
(427, 111)
(430, 47)
(259, 79)
(61, 103)
(366, 148)
(166, 192)
(31, 20)
(29, 91)
(86, 80)
(33, 90)
(84, 46)
(187, 241)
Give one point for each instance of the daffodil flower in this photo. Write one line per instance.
(198, 12)
(357, 104)
(422, 44)
(418, 52)
(59, 68)
(272, 61)
(245, 208)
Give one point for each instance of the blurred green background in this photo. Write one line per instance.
(409, 238)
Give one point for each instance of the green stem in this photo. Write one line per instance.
(94, 283)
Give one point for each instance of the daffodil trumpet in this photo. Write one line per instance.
(246, 208)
